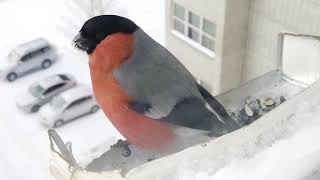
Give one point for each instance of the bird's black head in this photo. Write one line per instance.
(98, 28)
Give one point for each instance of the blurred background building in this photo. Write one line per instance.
(227, 43)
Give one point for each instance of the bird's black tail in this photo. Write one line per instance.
(217, 107)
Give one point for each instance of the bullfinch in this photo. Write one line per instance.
(144, 90)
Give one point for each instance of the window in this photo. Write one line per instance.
(178, 25)
(53, 88)
(34, 53)
(194, 27)
(208, 27)
(179, 11)
(13, 56)
(208, 42)
(194, 19)
(193, 34)
(45, 49)
(64, 77)
(179, 18)
(78, 102)
(26, 57)
(36, 90)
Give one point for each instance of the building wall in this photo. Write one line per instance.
(234, 43)
(246, 38)
(200, 64)
(267, 18)
(223, 72)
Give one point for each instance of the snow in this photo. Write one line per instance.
(24, 152)
(293, 157)
(301, 58)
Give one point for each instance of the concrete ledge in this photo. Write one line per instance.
(219, 152)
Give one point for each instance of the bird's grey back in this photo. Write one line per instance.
(153, 75)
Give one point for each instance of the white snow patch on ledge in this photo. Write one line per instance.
(291, 158)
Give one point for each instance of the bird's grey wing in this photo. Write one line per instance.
(162, 88)
(155, 90)
(154, 78)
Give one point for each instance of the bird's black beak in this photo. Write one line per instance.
(82, 43)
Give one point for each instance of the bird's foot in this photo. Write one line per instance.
(123, 146)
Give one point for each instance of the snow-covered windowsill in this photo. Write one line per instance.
(194, 44)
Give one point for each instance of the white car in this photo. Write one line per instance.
(43, 91)
(27, 57)
(69, 105)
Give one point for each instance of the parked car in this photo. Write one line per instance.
(28, 57)
(69, 105)
(43, 91)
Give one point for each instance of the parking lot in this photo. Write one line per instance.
(25, 138)
(24, 152)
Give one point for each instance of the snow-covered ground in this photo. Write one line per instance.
(24, 152)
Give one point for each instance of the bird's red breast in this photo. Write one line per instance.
(114, 101)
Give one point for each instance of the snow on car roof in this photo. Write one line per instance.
(76, 93)
(50, 81)
(31, 46)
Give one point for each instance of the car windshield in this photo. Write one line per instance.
(57, 102)
(13, 56)
(36, 90)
